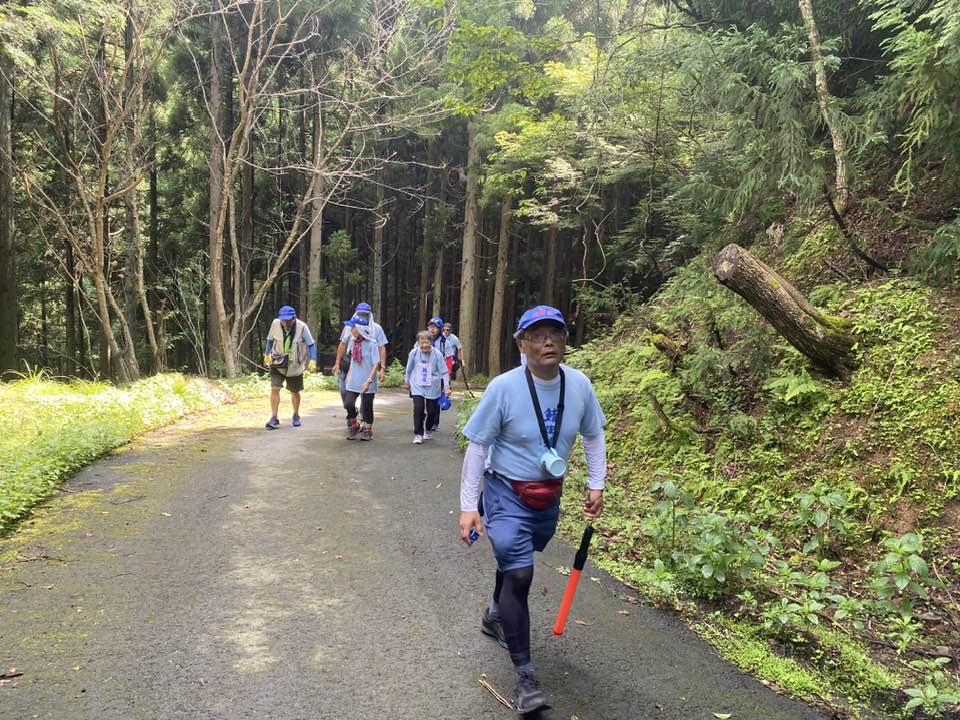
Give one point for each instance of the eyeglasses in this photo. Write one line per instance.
(541, 336)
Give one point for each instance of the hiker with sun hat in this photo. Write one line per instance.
(290, 351)
(342, 362)
(361, 380)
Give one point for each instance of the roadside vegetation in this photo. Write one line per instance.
(805, 526)
(54, 428)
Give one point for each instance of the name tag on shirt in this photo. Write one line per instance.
(424, 373)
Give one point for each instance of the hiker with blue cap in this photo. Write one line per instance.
(428, 379)
(290, 351)
(361, 379)
(342, 363)
(528, 420)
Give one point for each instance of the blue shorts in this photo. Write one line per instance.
(515, 530)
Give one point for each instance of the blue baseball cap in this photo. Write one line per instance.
(539, 314)
(287, 313)
(362, 321)
(438, 321)
(364, 307)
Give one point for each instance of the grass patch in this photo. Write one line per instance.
(52, 429)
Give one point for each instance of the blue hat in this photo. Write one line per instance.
(444, 402)
(438, 321)
(539, 314)
(287, 313)
(363, 307)
(356, 321)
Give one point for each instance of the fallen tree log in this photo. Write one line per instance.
(824, 339)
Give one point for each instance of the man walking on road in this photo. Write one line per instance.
(452, 350)
(290, 351)
(528, 419)
(342, 363)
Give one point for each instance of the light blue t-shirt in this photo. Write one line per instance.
(425, 373)
(360, 369)
(452, 345)
(506, 421)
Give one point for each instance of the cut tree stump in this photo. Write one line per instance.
(824, 339)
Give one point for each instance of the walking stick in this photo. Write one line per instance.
(578, 562)
(465, 383)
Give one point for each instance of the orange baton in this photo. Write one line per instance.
(578, 562)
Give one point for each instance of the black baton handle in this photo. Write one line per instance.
(581, 558)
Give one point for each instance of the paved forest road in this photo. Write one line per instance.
(217, 570)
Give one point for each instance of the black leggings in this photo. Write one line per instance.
(425, 408)
(511, 594)
(366, 406)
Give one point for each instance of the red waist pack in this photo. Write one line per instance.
(538, 494)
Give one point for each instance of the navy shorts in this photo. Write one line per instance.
(515, 530)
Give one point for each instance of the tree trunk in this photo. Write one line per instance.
(378, 239)
(70, 311)
(550, 266)
(581, 315)
(438, 247)
(135, 285)
(468, 280)
(500, 290)
(424, 256)
(315, 253)
(9, 304)
(437, 284)
(216, 191)
(827, 107)
(822, 338)
(247, 269)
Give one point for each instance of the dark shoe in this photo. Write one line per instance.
(353, 431)
(296, 421)
(272, 424)
(366, 434)
(530, 698)
(491, 625)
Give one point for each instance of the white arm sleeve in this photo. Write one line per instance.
(595, 448)
(474, 461)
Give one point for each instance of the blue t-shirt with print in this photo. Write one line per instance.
(506, 422)
(425, 372)
(360, 369)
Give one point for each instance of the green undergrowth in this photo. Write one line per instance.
(53, 428)
(254, 385)
(809, 526)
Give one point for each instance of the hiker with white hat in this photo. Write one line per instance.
(361, 380)
(342, 362)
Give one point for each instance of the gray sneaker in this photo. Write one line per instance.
(491, 625)
(353, 431)
(530, 698)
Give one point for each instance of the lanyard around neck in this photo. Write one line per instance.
(539, 412)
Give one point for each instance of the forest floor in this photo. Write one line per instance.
(214, 570)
